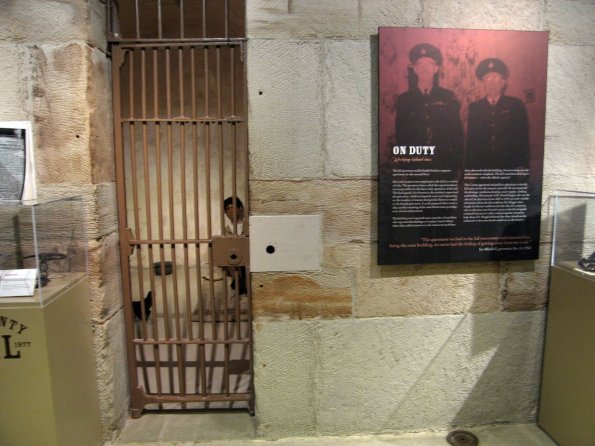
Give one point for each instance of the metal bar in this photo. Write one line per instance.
(183, 341)
(197, 398)
(232, 81)
(202, 385)
(168, 241)
(204, 19)
(156, 331)
(146, 185)
(137, 19)
(181, 19)
(185, 120)
(119, 57)
(226, 18)
(157, 43)
(181, 80)
(169, 142)
(206, 85)
(193, 87)
(159, 20)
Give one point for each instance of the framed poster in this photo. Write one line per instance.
(461, 135)
(17, 167)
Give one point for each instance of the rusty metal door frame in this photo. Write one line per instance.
(179, 124)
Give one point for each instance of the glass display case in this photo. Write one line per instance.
(567, 399)
(573, 240)
(43, 248)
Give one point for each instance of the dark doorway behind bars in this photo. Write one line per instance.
(179, 93)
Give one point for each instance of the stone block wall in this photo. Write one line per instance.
(55, 72)
(354, 347)
(362, 348)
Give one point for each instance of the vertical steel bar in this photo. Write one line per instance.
(220, 156)
(119, 57)
(206, 80)
(159, 20)
(157, 129)
(137, 19)
(169, 144)
(182, 33)
(135, 199)
(232, 78)
(226, 18)
(204, 19)
(184, 193)
(249, 334)
(147, 206)
(193, 88)
(200, 305)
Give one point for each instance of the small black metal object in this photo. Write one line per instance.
(588, 263)
(44, 258)
(462, 438)
(167, 266)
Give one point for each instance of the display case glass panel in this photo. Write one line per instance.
(574, 232)
(43, 249)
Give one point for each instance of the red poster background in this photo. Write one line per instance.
(525, 54)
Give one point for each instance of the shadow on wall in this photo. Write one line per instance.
(508, 389)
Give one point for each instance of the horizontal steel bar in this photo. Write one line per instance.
(169, 43)
(170, 242)
(184, 120)
(172, 398)
(190, 341)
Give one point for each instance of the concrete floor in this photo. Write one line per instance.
(237, 429)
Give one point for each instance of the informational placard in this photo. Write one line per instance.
(461, 135)
(17, 167)
(17, 282)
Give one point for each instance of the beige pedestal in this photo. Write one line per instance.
(567, 406)
(47, 368)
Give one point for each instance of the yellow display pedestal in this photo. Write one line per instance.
(47, 368)
(567, 406)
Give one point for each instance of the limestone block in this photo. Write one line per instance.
(106, 209)
(286, 110)
(326, 18)
(347, 206)
(507, 14)
(96, 24)
(14, 105)
(104, 277)
(302, 296)
(34, 21)
(405, 290)
(570, 23)
(525, 284)
(350, 111)
(285, 378)
(352, 255)
(112, 374)
(61, 113)
(570, 139)
(427, 372)
(100, 118)
(555, 183)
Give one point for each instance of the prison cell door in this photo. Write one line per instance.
(181, 150)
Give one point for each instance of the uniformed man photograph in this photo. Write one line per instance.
(427, 114)
(498, 126)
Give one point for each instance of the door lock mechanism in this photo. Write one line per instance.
(231, 251)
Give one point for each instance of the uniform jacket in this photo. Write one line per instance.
(498, 135)
(433, 120)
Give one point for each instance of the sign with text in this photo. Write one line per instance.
(461, 135)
